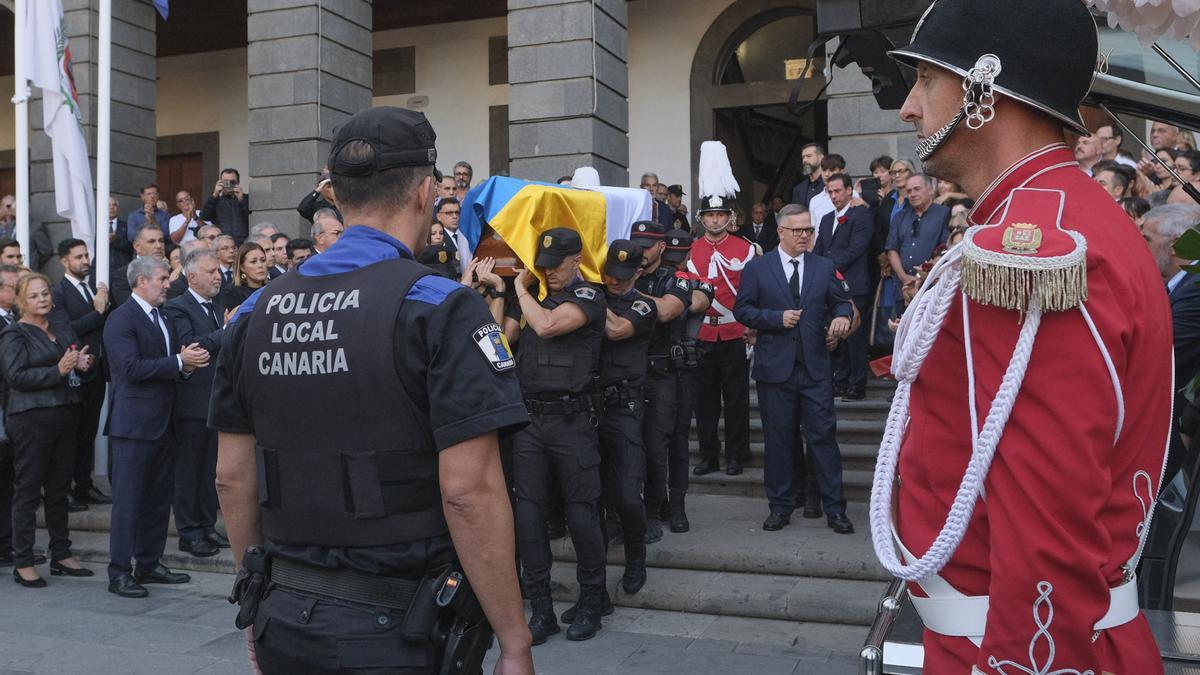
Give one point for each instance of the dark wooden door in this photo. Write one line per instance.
(181, 172)
(8, 181)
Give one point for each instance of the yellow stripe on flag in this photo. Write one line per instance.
(537, 208)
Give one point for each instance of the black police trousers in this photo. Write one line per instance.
(560, 449)
(658, 426)
(678, 460)
(724, 377)
(296, 632)
(624, 471)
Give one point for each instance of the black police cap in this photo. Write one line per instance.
(646, 233)
(679, 242)
(716, 203)
(397, 136)
(624, 259)
(1047, 49)
(555, 245)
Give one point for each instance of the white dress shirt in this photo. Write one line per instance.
(464, 249)
(162, 325)
(786, 261)
(836, 215)
(188, 234)
(80, 285)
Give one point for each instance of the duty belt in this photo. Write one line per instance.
(566, 405)
(621, 394)
(345, 584)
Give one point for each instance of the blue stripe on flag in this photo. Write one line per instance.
(487, 199)
(161, 6)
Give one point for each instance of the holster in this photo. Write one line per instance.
(250, 585)
(465, 634)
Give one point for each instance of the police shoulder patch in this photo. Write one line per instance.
(682, 284)
(585, 292)
(491, 341)
(641, 307)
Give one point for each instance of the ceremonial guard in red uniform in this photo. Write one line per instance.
(1026, 442)
(724, 372)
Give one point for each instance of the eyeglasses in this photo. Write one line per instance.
(800, 231)
(897, 172)
(461, 173)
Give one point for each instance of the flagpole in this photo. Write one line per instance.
(21, 101)
(103, 140)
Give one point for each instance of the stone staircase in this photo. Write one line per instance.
(726, 565)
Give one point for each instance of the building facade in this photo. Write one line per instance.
(531, 88)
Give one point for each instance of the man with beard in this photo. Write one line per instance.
(1050, 300)
(85, 304)
(812, 184)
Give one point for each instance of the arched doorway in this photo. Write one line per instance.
(745, 67)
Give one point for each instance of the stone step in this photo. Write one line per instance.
(853, 430)
(726, 565)
(856, 455)
(727, 536)
(763, 596)
(856, 484)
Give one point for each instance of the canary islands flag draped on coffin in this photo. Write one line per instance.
(519, 211)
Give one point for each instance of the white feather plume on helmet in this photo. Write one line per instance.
(1152, 19)
(715, 175)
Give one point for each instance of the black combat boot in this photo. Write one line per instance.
(606, 607)
(635, 569)
(678, 519)
(542, 623)
(587, 619)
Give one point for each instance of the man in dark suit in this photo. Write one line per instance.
(119, 246)
(762, 228)
(1162, 227)
(795, 300)
(197, 317)
(84, 303)
(811, 185)
(145, 361)
(149, 242)
(845, 237)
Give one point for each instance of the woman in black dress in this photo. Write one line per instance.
(43, 369)
(249, 275)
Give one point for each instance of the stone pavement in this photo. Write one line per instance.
(76, 626)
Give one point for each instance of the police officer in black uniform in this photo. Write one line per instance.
(559, 357)
(671, 297)
(678, 249)
(442, 258)
(358, 403)
(627, 332)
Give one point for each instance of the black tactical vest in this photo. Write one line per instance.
(342, 458)
(567, 363)
(624, 360)
(671, 332)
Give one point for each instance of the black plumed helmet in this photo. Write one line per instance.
(1047, 49)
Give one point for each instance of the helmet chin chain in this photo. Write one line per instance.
(978, 108)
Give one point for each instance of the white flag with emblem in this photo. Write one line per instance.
(49, 61)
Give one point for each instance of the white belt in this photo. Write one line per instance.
(966, 616)
(949, 612)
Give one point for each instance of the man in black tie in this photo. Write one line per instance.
(197, 317)
(226, 252)
(84, 303)
(146, 359)
(761, 228)
(449, 214)
(845, 238)
(8, 300)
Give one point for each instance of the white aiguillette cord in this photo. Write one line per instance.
(914, 340)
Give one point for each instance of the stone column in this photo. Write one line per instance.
(568, 87)
(134, 71)
(309, 64)
(858, 129)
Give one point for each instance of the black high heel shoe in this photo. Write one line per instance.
(36, 583)
(58, 569)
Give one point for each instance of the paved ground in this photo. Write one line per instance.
(75, 626)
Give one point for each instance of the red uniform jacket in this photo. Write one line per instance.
(721, 265)
(1063, 504)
